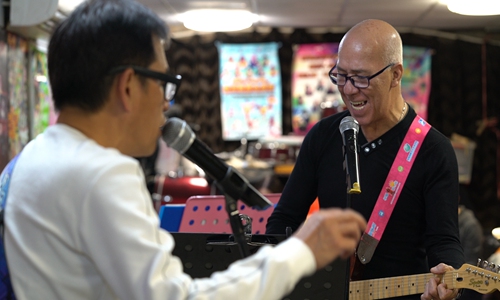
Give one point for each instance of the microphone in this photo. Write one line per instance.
(349, 128)
(179, 136)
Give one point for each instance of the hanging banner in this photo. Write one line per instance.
(4, 102)
(314, 96)
(416, 81)
(250, 88)
(44, 112)
(17, 61)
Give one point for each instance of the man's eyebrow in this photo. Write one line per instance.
(352, 71)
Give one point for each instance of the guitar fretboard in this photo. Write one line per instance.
(393, 286)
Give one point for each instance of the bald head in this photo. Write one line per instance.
(375, 40)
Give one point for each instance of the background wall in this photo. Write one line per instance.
(457, 103)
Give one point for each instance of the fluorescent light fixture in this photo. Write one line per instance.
(474, 7)
(218, 20)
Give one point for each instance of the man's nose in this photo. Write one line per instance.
(349, 87)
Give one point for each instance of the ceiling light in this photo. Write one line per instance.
(474, 8)
(218, 20)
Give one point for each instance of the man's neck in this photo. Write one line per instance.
(96, 126)
(376, 129)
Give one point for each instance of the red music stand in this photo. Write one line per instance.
(207, 214)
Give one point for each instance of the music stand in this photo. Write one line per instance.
(206, 214)
(202, 254)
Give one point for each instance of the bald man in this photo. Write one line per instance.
(422, 230)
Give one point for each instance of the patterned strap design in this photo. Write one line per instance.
(392, 188)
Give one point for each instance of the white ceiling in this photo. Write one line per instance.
(336, 15)
(419, 16)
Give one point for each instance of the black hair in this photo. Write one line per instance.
(97, 36)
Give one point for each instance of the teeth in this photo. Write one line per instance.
(358, 105)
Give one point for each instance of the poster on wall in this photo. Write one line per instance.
(250, 89)
(314, 96)
(18, 95)
(43, 113)
(416, 81)
(4, 103)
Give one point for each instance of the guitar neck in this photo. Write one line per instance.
(467, 277)
(393, 286)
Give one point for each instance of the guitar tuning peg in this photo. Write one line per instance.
(478, 262)
(485, 264)
(492, 267)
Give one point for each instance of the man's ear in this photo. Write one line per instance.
(123, 88)
(397, 74)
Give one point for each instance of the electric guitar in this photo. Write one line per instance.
(467, 277)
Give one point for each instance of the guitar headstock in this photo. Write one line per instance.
(484, 278)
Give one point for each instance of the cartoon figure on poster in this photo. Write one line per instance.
(313, 96)
(250, 85)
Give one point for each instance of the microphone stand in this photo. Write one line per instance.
(348, 264)
(234, 216)
(236, 225)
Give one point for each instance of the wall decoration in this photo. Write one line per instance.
(416, 82)
(43, 112)
(250, 88)
(314, 96)
(4, 102)
(18, 93)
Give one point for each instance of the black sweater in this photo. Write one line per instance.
(424, 223)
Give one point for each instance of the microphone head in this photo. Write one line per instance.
(348, 123)
(178, 135)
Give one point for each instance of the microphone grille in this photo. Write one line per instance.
(348, 123)
(178, 135)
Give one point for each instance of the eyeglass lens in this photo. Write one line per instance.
(170, 89)
(360, 82)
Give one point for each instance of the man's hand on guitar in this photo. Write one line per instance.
(437, 290)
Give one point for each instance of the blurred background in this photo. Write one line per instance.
(252, 91)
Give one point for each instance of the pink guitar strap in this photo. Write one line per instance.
(392, 187)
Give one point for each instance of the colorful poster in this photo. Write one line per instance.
(4, 103)
(416, 82)
(250, 88)
(18, 95)
(313, 95)
(43, 112)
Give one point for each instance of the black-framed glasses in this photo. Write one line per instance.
(172, 82)
(360, 82)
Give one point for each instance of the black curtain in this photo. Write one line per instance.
(455, 104)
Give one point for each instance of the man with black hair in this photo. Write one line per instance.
(79, 221)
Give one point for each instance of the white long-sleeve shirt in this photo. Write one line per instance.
(80, 225)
